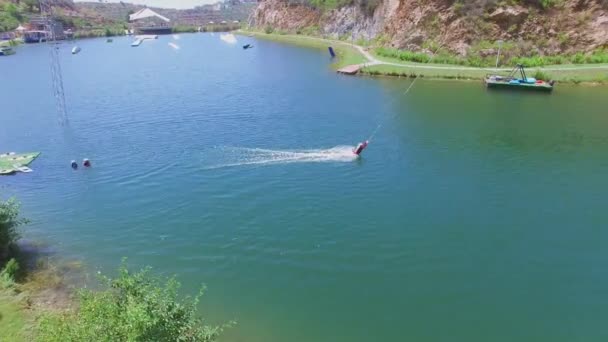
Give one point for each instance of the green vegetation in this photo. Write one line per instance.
(9, 222)
(476, 60)
(10, 16)
(313, 30)
(329, 4)
(367, 5)
(417, 71)
(133, 307)
(13, 318)
(219, 28)
(440, 66)
(563, 76)
(184, 29)
(541, 75)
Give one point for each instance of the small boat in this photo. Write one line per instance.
(22, 168)
(6, 51)
(137, 42)
(76, 49)
(512, 82)
(247, 46)
(109, 40)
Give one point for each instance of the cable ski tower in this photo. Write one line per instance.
(54, 30)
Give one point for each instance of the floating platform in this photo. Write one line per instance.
(522, 82)
(11, 163)
(494, 82)
(140, 39)
(350, 69)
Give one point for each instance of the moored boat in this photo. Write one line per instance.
(6, 50)
(512, 82)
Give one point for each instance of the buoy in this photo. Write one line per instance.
(86, 162)
(331, 52)
(74, 165)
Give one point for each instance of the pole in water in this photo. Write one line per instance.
(360, 147)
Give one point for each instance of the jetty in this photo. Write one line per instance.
(140, 39)
(11, 163)
(350, 69)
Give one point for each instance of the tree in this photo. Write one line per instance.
(33, 5)
(133, 307)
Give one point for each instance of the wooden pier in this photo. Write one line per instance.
(350, 69)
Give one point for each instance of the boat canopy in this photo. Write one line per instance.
(146, 13)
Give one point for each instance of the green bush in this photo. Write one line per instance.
(8, 275)
(184, 29)
(599, 56)
(133, 307)
(329, 4)
(404, 55)
(9, 221)
(578, 58)
(550, 3)
(7, 22)
(541, 75)
(268, 29)
(311, 30)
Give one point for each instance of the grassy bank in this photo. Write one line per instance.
(477, 60)
(565, 75)
(409, 64)
(346, 54)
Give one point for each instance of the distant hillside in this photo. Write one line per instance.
(466, 28)
(228, 10)
(96, 18)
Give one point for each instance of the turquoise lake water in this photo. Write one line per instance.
(472, 216)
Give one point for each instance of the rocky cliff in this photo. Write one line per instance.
(528, 26)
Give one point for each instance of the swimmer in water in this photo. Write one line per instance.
(360, 147)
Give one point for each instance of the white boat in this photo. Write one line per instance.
(137, 42)
(75, 50)
(6, 50)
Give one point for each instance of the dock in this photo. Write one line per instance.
(140, 39)
(350, 69)
(11, 163)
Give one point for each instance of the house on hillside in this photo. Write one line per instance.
(146, 21)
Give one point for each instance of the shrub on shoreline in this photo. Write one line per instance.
(133, 307)
(9, 222)
(474, 60)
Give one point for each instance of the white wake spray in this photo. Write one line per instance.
(238, 156)
(228, 38)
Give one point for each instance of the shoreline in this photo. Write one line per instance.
(374, 65)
